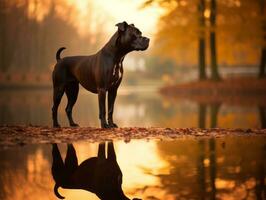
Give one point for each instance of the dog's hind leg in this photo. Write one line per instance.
(59, 172)
(71, 160)
(57, 96)
(58, 166)
(72, 90)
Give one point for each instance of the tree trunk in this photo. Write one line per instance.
(262, 65)
(3, 38)
(214, 66)
(202, 115)
(202, 63)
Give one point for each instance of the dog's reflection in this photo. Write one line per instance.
(100, 175)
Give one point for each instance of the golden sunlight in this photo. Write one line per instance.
(86, 15)
(143, 159)
(140, 163)
(130, 11)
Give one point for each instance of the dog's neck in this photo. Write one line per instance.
(111, 49)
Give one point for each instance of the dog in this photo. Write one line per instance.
(100, 73)
(99, 175)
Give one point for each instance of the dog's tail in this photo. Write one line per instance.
(56, 191)
(58, 53)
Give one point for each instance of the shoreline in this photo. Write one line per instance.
(245, 90)
(24, 135)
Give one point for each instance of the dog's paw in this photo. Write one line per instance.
(74, 125)
(105, 125)
(56, 126)
(113, 125)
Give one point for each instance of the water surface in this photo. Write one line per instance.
(135, 106)
(222, 168)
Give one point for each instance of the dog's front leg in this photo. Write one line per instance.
(101, 152)
(111, 152)
(102, 109)
(111, 101)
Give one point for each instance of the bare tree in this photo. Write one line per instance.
(262, 65)
(201, 55)
(214, 66)
(2, 33)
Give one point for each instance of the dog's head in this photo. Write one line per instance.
(130, 38)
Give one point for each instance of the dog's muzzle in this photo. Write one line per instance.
(145, 43)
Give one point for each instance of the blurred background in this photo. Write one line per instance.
(205, 66)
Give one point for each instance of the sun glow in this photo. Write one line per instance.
(138, 172)
(89, 16)
(114, 11)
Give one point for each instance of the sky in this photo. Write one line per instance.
(124, 10)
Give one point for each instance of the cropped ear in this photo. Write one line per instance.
(132, 25)
(122, 26)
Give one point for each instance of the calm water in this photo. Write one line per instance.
(223, 168)
(133, 107)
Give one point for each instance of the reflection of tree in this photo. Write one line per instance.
(201, 170)
(183, 157)
(260, 177)
(214, 110)
(18, 169)
(262, 113)
(202, 113)
(224, 167)
(187, 178)
(4, 113)
(212, 167)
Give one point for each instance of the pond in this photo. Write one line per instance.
(135, 106)
(228, 167)
(221, 168)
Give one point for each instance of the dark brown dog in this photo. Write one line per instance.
(99, 73)
(99, 175)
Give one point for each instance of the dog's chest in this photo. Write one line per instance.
(117, 74)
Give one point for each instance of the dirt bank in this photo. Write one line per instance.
(243, 90)
(21, 135)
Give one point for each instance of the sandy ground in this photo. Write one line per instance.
(22, 135)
